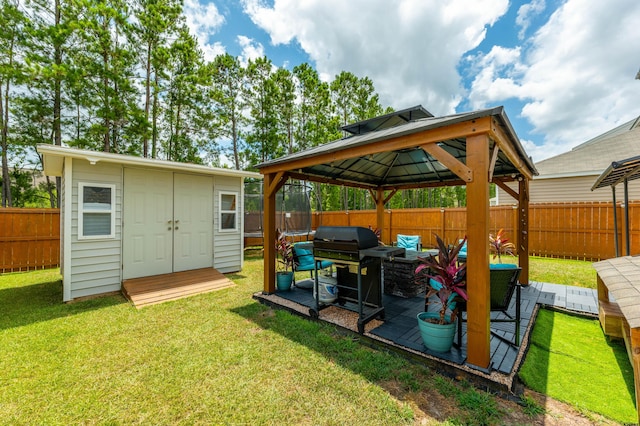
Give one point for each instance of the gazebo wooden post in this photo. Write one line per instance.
(523, 225)
(380, 212)
(478, 325)
(272, 183)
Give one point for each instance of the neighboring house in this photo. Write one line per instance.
(569, 176)
(128, 217)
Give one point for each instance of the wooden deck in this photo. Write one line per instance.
(399, 329)
(162, 288)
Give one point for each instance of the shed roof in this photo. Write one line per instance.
(395, 157)
(54, 159)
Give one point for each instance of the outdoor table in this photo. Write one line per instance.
(619, 307)
(399, 273)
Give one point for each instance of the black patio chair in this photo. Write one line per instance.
(503, 281)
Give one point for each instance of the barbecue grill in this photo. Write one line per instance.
(357, 258)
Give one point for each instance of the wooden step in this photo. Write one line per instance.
(161, 288)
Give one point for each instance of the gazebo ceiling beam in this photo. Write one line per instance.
(430, 136)
(449, 161)
(332, 181)
(501, 139)
(492, 160)
(506, 188)
(278, 180)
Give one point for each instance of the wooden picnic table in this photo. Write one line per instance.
(619, 307)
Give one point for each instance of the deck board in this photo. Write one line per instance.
(155, 289)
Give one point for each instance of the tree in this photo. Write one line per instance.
(12, 41)
(186, 107)
(157, 21)
(262, 140)
(285, 107)
(109, 62)
(49, 70)
(313, 123)
(229, 86)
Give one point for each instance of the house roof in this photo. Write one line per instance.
(53, 157)
(398, 157)
(593, 156)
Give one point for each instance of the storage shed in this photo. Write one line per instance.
(126, 217)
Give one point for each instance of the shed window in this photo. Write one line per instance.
(228, 211)
(96, 210)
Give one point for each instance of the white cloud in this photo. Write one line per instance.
(526, 12)
(203, 22)
(251, 49)
(575, 76)
(409, 48)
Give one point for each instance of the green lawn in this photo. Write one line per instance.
(562, 271)
(216, 358)
(571, 360)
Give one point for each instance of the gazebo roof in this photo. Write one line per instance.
(471, 149)
(398, 157)
(617, 172)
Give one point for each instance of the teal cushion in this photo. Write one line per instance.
(408, 241)
(502, 266)
(463, 250)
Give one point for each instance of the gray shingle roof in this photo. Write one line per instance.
(595, 155)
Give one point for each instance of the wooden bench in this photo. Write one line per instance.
(619, 279)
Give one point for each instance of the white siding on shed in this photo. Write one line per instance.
(95, 264)
(228, 246)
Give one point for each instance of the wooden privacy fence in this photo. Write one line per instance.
(29, 239)
(573, 230)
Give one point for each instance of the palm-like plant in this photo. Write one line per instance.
(284, 248)
(500, 245)
(444, 277)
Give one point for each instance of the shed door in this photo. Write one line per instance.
(168, 223)
(193, 222)
(148, 236)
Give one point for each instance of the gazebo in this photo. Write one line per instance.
(413, 149)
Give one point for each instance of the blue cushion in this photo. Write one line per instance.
(408, 241)
(463, 250)
(502, 266)
(306, 260)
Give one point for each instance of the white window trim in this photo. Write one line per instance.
(221, 211)
(81, 211)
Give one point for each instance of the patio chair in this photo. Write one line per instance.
(304, 260)
(409, 242)
(462, 254)
(503, 281)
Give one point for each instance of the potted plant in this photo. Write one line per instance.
(500, 245)
(286, 262)
(446, 278)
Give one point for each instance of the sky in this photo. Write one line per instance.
(564, 70)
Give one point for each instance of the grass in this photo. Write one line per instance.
(562, 271)
(216, 358)
(571, 360)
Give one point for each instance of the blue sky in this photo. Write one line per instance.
(563, 69)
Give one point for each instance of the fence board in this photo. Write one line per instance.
(582, 230)
(29, 239)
